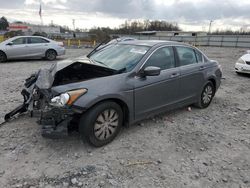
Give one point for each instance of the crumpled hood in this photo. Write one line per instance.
(70, 71)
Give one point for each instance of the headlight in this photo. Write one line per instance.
(241, 61)
(67, 98)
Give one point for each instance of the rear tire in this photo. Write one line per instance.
(101, 124)
(206, 96)
(3, 57)
(50, 55)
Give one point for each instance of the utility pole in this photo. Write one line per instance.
(73, 21)
(74, 27)
(210, 26)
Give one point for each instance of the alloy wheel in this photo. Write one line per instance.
(51, 55)
(207, 94)
(106, 124)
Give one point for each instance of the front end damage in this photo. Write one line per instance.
(38, 93)
(54, 120)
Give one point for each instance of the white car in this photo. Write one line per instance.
(243, 64)
(26, 47)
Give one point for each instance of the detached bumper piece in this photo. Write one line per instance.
(55, 122)
(20, 109)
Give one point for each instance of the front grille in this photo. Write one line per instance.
(248, 62)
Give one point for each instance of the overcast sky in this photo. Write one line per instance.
(189, 14)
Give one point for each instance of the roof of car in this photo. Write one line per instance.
(152, 42)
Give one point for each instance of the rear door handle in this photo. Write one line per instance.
(175, 75)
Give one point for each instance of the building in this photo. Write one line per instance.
(46, 29)
(18, 27)
(51, 31)
(30, 29)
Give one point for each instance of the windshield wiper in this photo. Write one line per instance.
(121, 70)
(97, 47)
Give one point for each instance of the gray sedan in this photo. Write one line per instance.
(25, 47)
(118, 85)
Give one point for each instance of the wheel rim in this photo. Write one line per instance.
(207, 94)
(51, 55)
(106, 124)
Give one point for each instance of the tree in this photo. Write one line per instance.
(41, 34)
(13, 34)
(4, 24)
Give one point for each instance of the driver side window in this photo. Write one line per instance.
(162, 58)
(19, 41)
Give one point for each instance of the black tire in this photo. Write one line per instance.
(101, 124)
(50, 55)
(207, 95)
(3, 57)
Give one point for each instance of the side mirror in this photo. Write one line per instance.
(152, 71)
(10, 44)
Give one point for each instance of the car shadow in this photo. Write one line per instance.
(243, 75)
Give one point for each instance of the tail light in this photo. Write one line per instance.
(61, 44)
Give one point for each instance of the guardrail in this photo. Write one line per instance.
(241, 41)
(78, 43)
(1, 38)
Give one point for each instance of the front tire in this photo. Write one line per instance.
(50, 55)
(207, 95)
(3, 57)
(102, 123)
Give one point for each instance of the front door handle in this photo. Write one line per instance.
(202, 67)
(175, 75)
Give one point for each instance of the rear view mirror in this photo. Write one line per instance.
(10, 44)
(152, 71)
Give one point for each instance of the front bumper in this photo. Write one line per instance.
(242, 68)
(55, 122)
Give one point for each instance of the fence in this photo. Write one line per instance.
(242, 41)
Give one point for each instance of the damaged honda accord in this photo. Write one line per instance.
(116, 85)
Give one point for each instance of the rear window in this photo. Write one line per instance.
(186, 55)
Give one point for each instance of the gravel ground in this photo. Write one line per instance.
(181, 148)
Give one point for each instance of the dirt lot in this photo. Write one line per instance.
(198, 148)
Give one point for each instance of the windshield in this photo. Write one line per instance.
(120, 56)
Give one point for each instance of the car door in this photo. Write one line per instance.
(157, 92)
(17, 48)
(37, 46)
(191, 70)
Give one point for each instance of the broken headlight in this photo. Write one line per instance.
(67, 98)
